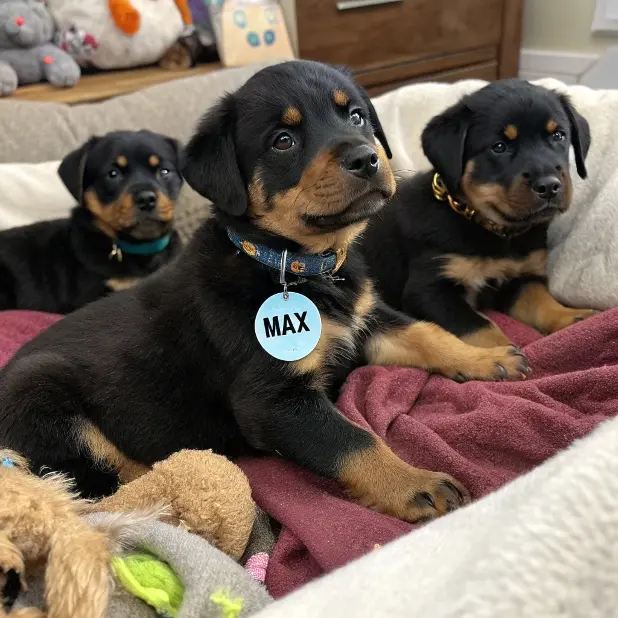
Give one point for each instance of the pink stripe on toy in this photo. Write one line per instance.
(257, 564)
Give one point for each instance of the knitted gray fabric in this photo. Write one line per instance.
(202, 568)
(27, 55)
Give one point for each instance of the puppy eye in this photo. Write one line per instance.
(559, 136)
(283, 141)
(113, 174)
(499, 147)
(357, 118)
(164, 171)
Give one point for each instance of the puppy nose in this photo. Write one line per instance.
(146, 200)
(362, 161)
(547, 187)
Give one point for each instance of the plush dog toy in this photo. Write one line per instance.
(118, 34)
(205, 493)
(27, 55)
(40, 525)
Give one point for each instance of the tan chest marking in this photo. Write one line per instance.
(475, 272)
(337, 340)
(116, 285)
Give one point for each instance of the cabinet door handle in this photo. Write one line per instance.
(348, 5)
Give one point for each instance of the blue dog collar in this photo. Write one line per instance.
(144, 248)
(120, 247)
(7, 462)
(306, 264)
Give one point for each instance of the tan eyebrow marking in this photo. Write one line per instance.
(122, 161)
(511, 132)
(551, 126)
(154, 160)
(291, 116)
(340, 98)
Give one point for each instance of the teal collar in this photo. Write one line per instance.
(142, 248)
(305, 264)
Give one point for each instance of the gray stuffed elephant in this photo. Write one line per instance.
(27, 55)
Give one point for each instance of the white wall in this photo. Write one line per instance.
(562, 25)
(558, 41)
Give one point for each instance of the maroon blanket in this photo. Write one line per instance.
(485, 434)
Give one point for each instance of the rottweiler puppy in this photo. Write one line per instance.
(471, 234)
(295, 161)
(125, 184)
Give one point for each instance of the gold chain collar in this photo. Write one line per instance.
(440, 192)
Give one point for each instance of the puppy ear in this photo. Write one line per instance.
(73, 168)
(378, 131)
(176, 145)
(580, 134)
(444, 141)
(210, 165)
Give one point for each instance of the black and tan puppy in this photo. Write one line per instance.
(471, 234)
(295, 162)
(126, 184)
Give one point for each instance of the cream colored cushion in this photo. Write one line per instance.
(31, 192)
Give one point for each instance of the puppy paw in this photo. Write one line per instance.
(417, 495)
(494, 365)
(435, 495)
(566, 318)
(378, 479)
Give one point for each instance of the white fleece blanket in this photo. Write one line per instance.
(583, 258)
(543, 546)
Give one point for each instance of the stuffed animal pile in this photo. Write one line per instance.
(27, 54)
(42, 524)
(119, 34)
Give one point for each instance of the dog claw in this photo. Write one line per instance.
(503, 372)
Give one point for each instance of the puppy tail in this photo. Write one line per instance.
(77, 579)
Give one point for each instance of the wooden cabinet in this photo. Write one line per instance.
(388, 43)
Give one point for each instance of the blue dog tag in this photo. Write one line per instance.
(288, 329)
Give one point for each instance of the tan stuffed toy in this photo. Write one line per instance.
(205, 493)
(41, 528)
(118, 34)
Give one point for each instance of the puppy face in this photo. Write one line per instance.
(504, 151)
(298, 152)
(128, 180)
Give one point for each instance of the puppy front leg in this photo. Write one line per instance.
(399, 340)
(305, 427)
(532, 304)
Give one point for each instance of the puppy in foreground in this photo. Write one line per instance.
(241, 345)
(125, 185)
(471, 234)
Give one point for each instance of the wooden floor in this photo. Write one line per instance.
(107, 84)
